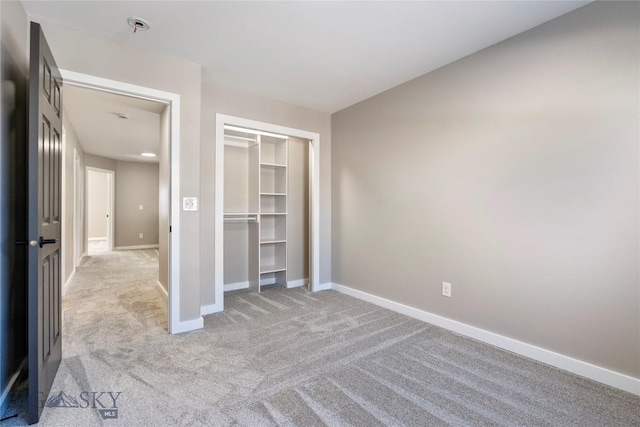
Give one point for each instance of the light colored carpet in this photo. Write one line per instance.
(294, 358)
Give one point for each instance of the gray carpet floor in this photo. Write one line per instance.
(292, 358)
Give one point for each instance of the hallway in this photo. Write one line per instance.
(112, 296)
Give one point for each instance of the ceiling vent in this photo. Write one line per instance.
(138, 24)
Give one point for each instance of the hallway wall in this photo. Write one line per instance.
(136, 183)
(70, 217)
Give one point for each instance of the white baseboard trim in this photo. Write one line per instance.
(235, 286)
(95, 239)
(66, 284)
(575, 366)
(162, 289)
(128, 248)
(297, 283)
(324, 287)
(6, 393)
(189, 325)
(210, 309)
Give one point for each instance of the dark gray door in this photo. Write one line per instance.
(45, 155)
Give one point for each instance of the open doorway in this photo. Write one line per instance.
(164, 236)
(100, 207)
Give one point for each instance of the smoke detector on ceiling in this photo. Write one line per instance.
(138, 24)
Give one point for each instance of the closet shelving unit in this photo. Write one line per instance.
(274, 152)
(264, 205)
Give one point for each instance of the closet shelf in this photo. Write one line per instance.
(271, 242)
(273, 194)
(264, 269)
(272, 213)
(273, 165)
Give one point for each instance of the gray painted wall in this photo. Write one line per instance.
(220, 99)
(512, 174)
(136, 184)
(13, 157)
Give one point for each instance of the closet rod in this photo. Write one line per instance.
(248, 218)
(241, 220)
(244, 138)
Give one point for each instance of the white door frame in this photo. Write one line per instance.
(173, 101)
(111, 203)
(314, 175)
(63, 211)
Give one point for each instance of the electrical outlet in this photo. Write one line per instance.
(140, 235)
(446, 289)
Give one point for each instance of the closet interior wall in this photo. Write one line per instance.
(240, 233)
(298, 219)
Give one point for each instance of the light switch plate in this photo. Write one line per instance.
(141, 207)
(189, 203)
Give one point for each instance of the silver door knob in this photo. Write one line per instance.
(27, 242)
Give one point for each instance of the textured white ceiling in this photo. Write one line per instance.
(322, 55)
(100, 131)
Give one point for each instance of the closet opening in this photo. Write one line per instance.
(266, 210)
